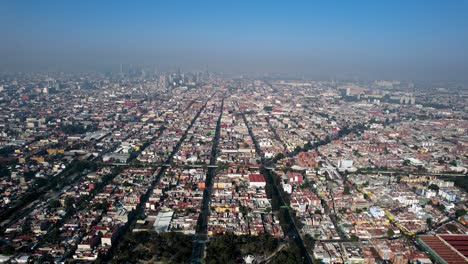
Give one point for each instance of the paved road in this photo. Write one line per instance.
(292, 231)
(423, 173)
(141, 206)
(201, 236)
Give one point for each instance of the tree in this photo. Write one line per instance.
(291, 254)
(386, 151)
(222, 165)
(55, 203)
(69, 203)
(398, 179)
(166, 247)
(442, 207)
(452, 228)
(76, 129)
(433, 187)
(308, 146)
(7, 150)
(4, 170)
(268, 108)
(309, 241)
(429, 222)
(278, 156)
(7, 250)
(354, 238)
(223, 249)
(460, 212)
(101, 206)
(346, 190)
(390, 232)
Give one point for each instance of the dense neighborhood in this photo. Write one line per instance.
(199, 167)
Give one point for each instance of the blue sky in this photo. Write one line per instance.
(386, 39)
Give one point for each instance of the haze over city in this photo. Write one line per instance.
(234, 132)
(321, 39)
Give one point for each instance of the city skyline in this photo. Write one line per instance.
(417, 40)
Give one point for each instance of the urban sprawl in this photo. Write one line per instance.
(142, 167)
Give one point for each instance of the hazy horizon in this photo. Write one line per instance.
(422, 40)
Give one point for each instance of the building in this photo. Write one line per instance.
(163, 220)
(116, 157)
(257, 180)
(346, 165)
(294, 177)
(446, 248)
(376, 211)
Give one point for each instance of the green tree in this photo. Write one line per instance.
(7, 250)
(346, 190)
(55, 203)
(268, 108)
(4, 170)
(460, 212)
(429, 222)
(290, 255)
(69, 203)
(398, 179)
(222, 165)
(278, 156)
(452, 228)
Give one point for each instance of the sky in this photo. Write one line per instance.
(411, 39)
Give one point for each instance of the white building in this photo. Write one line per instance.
(429, 193)
(376, 211)
(346, 165)
(407, 200)
(287, 187)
